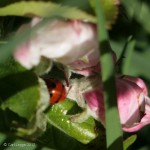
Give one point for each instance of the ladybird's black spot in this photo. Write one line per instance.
(57, 101)
(53, 85)
(51, 94)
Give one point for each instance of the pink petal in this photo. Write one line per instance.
(137, 81)
(137, 126)
(90, 71)
(95, 102)
(128, 95)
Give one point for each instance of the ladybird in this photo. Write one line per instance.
(56, 90)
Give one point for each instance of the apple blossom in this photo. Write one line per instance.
(133, 102)
(60, 40)
(138, 108)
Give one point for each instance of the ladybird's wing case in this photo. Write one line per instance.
(79, 86)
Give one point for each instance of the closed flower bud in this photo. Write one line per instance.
(133, 103)
(59, 40)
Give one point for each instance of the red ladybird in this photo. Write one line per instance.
(56, 89)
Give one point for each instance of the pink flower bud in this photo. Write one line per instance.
(95, 102)
(89, 64)
(59, 40)
(85, 71)
(137, 81)
(133, 103)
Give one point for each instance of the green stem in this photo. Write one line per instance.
(113, 127)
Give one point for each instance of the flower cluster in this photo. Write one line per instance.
(133, 103)
(74, 44)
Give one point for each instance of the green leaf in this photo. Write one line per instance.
(19, 90)
(83, 132)
(23, 93)
(144, 15)
(35, 126)
(129, 56)
(44, 66)
(126, 56)
(110, 10)
(20, 93)
(10, 67)
(140, 11)
(12, 143)
(113, 127)
(66, 9)
(143, 66)
(44, 9)
(129, 141)
(58, 140)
